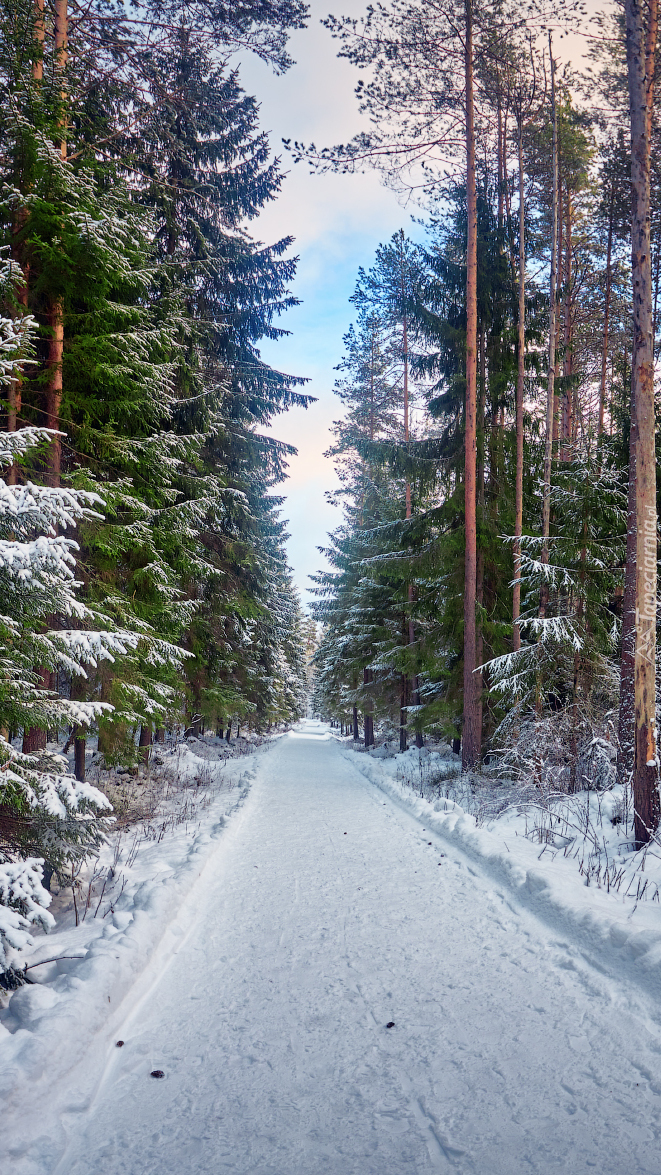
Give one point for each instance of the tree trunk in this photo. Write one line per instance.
(54, 394)
(625, 731)
(567, 370)
(355, 723)
(53, 384)
(367, 718)
(403, 703)
(501, 163)
(607, 307)
(550, 385)
(558, 284)
(15, 389)
(641, 38)
(521, 355)
(39, 36)
(408, 505)
(79, 747)
(419, 736)
(14, 392)
(34, 738)
(471, 731)
(144, 743)
(159, 734)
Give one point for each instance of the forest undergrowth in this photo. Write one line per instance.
(163, 803)
(591, 827)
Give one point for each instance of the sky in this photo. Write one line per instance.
(338, 222)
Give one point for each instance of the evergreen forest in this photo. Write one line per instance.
(492, 581)
(497, 479)
(143, 578)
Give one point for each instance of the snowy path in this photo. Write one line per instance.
(509, 1054)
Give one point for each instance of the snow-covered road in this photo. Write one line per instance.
(325, 914)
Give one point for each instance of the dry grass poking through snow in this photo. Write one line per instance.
(171, 794)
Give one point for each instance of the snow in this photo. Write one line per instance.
(23, 904)
(259, 969)
(48, 1028)
(612, 929)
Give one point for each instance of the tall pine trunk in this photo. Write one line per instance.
(406, 689)
(471, 733)
(625, 730)
(607, 307)
(567, 367)
(641, 38)
(521, 344)
(550, 384)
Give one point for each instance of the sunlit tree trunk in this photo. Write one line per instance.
(521, 355)
(550, 385)
(557, 412)
(625, 731)
(641, 39)
(568, 397)
(471, 734)
(406, 689)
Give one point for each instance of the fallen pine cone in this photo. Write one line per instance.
(157, 1073)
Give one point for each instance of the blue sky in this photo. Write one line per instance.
(338, 222)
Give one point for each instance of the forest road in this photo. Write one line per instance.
(327, 915)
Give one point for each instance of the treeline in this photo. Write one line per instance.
(143, 578)
(491, 580)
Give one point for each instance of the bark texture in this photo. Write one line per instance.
(625, 732)
(641, 39)
(79, 748)
(521, 344)
(607, 307)
(550, 385)
(145, 743)
(471, 734)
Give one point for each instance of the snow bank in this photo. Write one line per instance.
(614, 934)
(48, 1026)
